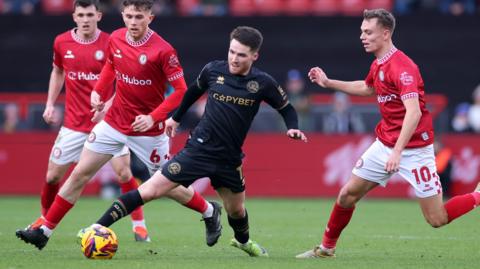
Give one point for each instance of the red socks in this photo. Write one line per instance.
(197, 203)
(57, 211)
(132, 184)
(49, 191)
(461, 204)
(339, 218)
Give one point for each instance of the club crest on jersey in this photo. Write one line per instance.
(173, 61)
(253, 86)
(406, 78)
(69, 55)
(425, 136)
(174, 168)
(381, 75)
(99, 55)
(142, 59)
(57, 152)
(118, 54)
(220, 80)
(91, 137)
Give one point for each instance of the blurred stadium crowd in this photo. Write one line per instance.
(254, 7)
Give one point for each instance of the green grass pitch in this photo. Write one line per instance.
(382, 234)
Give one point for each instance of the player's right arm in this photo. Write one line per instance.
(57, 78)
(358, 87)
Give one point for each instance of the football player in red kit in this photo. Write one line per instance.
(78, 57)
(404, 135)
(142, 63)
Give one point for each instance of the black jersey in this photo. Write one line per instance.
(232, 103)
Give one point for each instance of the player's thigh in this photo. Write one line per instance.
(90, 162)
(371, 165)
(121, 165)
(417, 166)
(354, 190)
(153, 151)
(67, 147)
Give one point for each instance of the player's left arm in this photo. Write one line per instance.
(410, 123)
(276, 97)
(289, 115)
(173, 70)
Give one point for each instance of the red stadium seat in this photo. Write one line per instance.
(57, 7)
(186, 7)
(325, 7)
(269, 7)
(353, 7)
(298, 7)
(386, 4)
(242, 7)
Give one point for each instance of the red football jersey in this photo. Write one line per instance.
(142, 70)
(395, 77)
(82, 61)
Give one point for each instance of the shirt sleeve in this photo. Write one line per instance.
(171, 65)
(202, 79)
(274, 95)
(174, 73)
(406, 81)
(57, 56)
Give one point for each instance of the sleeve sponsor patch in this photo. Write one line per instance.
(406, 79)
(173, 61)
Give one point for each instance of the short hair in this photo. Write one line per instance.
(86, 3)
(248, 36)
(384, 17)
(139, 4)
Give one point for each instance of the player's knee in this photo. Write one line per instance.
(436, 221)
(124, 175)
(347, 198)
(53, 178)
(235, 211)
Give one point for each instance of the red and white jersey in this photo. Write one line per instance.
(82, 60)
(395, 77)
(142, 70)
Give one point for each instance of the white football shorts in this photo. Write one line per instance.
(68, 147)
(417, 166)
(153, 151)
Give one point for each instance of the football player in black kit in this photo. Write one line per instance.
(235, 90)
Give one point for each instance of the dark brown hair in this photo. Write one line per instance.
(139, 4)
(85, 3)
(248, 36)
(384, 18)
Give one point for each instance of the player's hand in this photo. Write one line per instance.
(316, 75)
(142, 123)
(393, 162)
(49, 114)
(171, 127)
(297, 134)
(96, 102)
(98, 116)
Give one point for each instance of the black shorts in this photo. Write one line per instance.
(190, 164)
